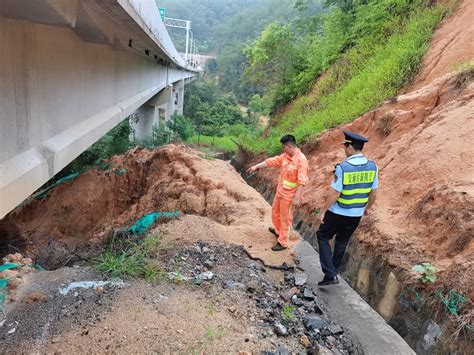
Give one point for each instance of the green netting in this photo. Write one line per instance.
(4, 283)
(3, 292)
(40, 195)
(7, 266)
(145, 222)
(120, 172)
(38, 267)
(103, 165)
(453, 302)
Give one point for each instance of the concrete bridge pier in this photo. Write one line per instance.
(142, 123)
(168, 101)
(179, 91)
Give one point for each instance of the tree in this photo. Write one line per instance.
(211, 66)
(182, 126)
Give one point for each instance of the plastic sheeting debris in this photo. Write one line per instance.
(89, 285)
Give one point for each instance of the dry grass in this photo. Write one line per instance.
(464, 77)
(385, 124)
(460, 242)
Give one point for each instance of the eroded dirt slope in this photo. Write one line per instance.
(77, 217)
(450, 47)
(421, 142)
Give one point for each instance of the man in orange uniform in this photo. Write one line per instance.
(293, 176)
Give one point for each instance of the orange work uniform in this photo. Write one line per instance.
(293, 173)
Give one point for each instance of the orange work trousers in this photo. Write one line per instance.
(282, 217)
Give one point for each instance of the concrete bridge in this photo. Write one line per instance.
(70, 71)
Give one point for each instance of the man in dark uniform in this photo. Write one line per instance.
(353, 192)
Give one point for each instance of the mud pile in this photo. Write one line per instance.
(76, 218)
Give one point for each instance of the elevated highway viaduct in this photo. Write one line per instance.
(70, 71)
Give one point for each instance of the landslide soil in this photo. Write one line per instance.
(234, 311)
(422, 143)
(76, 218)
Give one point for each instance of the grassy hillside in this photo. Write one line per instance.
(366, 53)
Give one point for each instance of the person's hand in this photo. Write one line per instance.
(252, 169)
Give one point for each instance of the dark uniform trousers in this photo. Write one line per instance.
(342, 227)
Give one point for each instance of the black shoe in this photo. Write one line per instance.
(326, 281)
(278, 247)
(273, 231)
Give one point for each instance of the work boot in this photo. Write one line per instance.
(328, 281)
(278, 247)
(273, 231)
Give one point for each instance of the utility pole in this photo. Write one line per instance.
(188, 28)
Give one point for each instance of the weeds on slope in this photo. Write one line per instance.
(224, 144)
(136, 257)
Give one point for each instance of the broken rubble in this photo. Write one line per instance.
(89, 284)
(231, 284)
(335, 329)
(286, 295)
(289, 277)
(305, 342)
(280, 329)
(320, 350)
(308, 294)
(281, 350)
(204, 276)
(300, 279)
(315, 322)
(209, 264)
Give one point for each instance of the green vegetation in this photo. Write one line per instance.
(224, 144)
(215, 118)
(367, 51)
(224, 28)
(214, 334)
(451, 302)
(363, 52)
(116, 141)
(288, 312)
(133, 258)
(211, 112)
(427, 272)
(211, 309)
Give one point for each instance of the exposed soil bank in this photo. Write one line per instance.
(243, 306)
(421, 142)
(76, 218)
